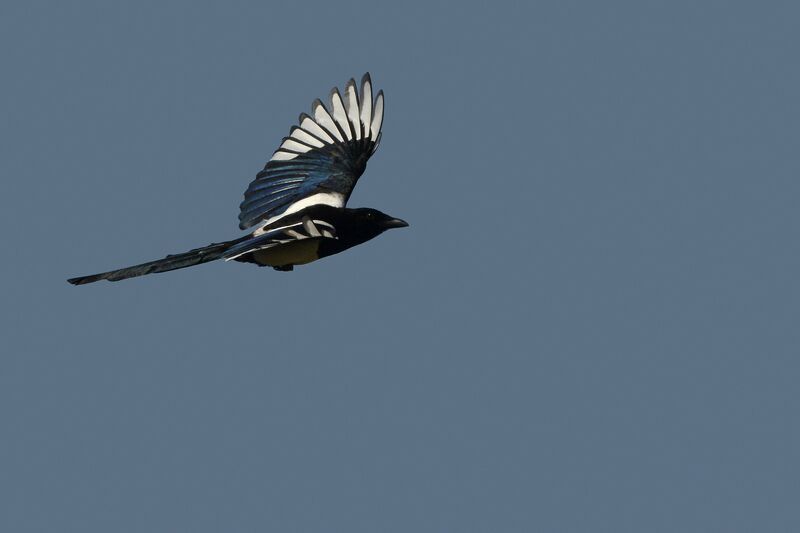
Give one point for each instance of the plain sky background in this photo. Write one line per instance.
(591, 324)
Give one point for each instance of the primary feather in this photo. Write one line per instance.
(321, 159)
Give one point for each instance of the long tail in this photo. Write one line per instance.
(197, 256)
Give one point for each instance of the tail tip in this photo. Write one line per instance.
(82, 280)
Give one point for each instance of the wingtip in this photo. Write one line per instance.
(334, 93)
(316, 104)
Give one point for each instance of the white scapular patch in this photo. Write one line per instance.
(333, 199)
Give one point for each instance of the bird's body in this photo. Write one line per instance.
(313, 233)
(296, 205)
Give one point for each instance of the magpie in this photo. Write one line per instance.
(295, 209)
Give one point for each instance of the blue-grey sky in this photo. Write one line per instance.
(591, 324)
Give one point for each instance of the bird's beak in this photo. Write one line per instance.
(396, 223)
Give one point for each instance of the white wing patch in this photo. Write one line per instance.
(324, 119)
(377, 117)
(305, 137)
(351, 118)
(339, 114)
(357, 117)
(294, 146)
(333, 199)
(366, 105)
(353, 111)
(307, 123)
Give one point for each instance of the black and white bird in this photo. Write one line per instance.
(295, 207)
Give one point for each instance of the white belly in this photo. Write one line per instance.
(291, 253)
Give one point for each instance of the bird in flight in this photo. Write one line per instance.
(295, 209)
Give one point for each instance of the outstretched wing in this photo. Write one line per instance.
(321, 159)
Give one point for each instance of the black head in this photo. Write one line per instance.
(360, 225)
(375, 219)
